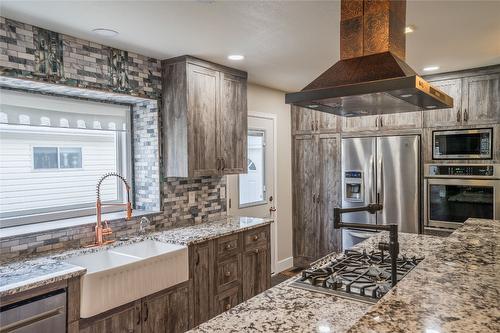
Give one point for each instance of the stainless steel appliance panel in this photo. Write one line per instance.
(45, 313)
(398, 181)
(462, 144)
(351, 237)
(449, 202)
(358, 154)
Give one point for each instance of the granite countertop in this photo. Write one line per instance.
(29, 273)
(454, 289)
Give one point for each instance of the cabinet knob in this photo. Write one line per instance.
(227, 306)
(466, 115)
(228, 247)
(256, 250)
(228, 274)
(255, 238)
(459, 115)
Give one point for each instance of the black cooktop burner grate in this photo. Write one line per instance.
(362, 275)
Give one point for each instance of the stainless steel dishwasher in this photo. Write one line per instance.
(40, 314)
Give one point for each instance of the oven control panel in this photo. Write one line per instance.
(461, 170)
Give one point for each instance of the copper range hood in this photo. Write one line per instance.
(371, 76)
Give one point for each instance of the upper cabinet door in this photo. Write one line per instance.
(303, 120)
(233, 127)
(203, 105)
(398, 121)
(481, 99)
(360, 124)
(327, 122)
(446, 117)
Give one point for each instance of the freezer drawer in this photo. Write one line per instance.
(40, 314)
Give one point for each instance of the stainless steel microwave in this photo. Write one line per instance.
(470, 144)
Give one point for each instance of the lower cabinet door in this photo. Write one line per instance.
(256, 272)
(226, 300)
(202, 287)
(167, 312)
(124, 320)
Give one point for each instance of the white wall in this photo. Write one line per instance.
(266, 100)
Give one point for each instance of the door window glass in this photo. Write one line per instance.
(252, 185)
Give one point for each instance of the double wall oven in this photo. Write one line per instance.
(453, 193)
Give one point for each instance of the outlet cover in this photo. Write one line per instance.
(192, 197)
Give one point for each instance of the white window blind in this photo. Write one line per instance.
(19, 108)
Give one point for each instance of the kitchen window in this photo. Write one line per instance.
(252, 185)
(53, 150)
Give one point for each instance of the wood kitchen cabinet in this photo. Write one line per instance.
(316, 191)
(204, 117)
(475, 98)
(307, 121)
(228, 270)
(386, 122)
(167, 311)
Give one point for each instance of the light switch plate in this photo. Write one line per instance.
(192, 197)
(222, 192)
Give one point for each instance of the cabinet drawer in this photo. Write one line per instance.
(227, 300)
(228, 273)
(228, 246)
(256, 238)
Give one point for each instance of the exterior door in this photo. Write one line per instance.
(203, 103)
(253, 194)
(232, 124)
(398, 184)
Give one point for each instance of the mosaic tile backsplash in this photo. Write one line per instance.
(27, 51)
(39, 55)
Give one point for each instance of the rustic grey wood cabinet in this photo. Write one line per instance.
(316, 191)
(386, 122)
(307, 121)
(204, 118)
(166, 311)
(475, 98)
(228, 270)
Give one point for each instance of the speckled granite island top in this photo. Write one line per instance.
(29, 273)
(454, 289)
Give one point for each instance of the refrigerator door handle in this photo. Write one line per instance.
(380, 182)
(372, 175)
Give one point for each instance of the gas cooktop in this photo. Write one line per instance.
(363, 276)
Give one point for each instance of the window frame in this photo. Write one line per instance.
(264, 188)
(58, 169)
(124, 164)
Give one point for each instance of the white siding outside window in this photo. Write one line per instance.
(48, 172)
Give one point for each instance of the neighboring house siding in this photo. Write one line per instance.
(24, 188)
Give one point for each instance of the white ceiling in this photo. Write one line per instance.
(286, 43)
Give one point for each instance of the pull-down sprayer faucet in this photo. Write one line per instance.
(101, 231)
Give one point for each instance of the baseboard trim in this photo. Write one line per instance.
(283, 265)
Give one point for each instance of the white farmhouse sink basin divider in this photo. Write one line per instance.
(123, 274)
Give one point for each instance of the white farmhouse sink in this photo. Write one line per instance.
(123, 274)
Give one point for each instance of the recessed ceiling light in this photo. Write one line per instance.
(105, 32)
(431, 106)
(314, 106)
(405, 95)
(409, 29)
(431, 68)
(235, 57)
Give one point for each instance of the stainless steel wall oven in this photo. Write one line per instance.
(454, 193)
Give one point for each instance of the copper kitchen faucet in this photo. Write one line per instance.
(101, 231)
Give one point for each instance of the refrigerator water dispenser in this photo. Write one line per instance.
(354, 187)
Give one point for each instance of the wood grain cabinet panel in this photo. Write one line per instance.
(228, 273)
(233, 124)
(360, 124)
(446, 117)
(125, 320)
(226, 300)
(204, 118)
(400, 121)
(201, 263)
(481, 99)
(228, 246)
(307, 121)
(256, 273)
(304, 196)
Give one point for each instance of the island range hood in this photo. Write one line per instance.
(371, 76)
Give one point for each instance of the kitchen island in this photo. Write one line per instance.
(454, 289)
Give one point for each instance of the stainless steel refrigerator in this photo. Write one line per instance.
(382, 170)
